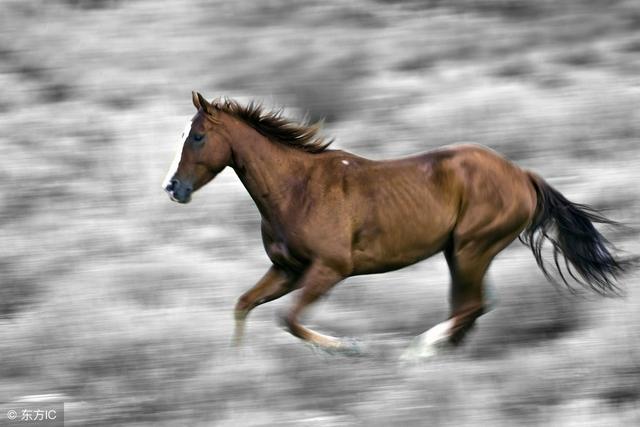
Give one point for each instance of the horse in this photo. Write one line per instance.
(330, 214)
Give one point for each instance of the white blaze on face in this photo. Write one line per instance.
(176, 159)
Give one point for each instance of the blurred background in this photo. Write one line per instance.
(119, 302)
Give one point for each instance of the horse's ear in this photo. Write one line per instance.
(195, 97)
(199, 102)
(204, 104)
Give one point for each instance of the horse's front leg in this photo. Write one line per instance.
(316, 281)
(275, 283)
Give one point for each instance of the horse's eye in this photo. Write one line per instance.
(197, 137)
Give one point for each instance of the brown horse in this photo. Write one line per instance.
(329, 214)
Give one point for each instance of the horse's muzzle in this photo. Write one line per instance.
(179, 191)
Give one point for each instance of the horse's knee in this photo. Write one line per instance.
(243, 307)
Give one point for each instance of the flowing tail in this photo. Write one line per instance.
(569, 228)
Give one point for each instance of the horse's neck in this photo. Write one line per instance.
(267, 169)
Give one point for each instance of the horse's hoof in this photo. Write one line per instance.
(419, 350)
(352, 347)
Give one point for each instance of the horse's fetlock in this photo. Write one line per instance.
(286, 321)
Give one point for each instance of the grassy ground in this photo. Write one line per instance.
(119, 301)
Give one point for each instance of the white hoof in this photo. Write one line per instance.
(351, 347)
(430, 343)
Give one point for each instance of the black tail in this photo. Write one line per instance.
(575, 237)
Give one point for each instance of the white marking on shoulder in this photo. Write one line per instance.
(345, 162)
(178, 156)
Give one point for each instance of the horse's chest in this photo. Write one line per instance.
(281, 255)
(279, 248)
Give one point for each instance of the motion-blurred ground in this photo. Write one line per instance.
(119, 301)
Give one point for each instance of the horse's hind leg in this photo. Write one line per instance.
(468, 264)
(468, 294)
(467, 304)
(469, 257)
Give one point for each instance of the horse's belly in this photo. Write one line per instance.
(391, 252)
